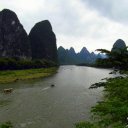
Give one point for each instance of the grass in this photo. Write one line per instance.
(15, 75)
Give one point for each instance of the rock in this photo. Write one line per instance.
(43, 41)
(9, 90)
(14, 42)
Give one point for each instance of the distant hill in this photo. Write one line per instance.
(70, 57)
(118, 45)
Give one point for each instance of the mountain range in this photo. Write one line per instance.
(70, 57)
(39, 44)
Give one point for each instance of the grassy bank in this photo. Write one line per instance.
(112, 112)
(15, 75)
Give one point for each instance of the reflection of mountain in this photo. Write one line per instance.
(66, 56)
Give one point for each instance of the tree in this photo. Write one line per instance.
(117, 58)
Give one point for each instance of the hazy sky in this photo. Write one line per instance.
(90, 23)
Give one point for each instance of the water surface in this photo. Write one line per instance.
(34, 104)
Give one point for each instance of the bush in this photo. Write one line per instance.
(15, 64)
(6, 125)
(113, 110)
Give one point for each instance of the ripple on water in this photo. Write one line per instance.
(34, 104)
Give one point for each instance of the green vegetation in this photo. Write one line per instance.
(112, 112)
(117, 59)
(14, 75)
(13, 63)
(6, 125)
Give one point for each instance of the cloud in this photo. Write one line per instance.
(76, 23)
(113, 9)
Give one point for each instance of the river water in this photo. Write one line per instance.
(34, 104)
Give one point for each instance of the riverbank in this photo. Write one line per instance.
(69, 101)
(112, 112)
(15, 75)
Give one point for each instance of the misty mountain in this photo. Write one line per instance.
(66, 56)
(70, 57)
(118, 45)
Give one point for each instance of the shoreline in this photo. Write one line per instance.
(11, 76)
(112, 110)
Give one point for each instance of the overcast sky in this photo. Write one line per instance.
(90, 23)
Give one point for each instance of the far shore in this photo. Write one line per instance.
(10, 76)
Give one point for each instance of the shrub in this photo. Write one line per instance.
(6, 125)
(12, 63)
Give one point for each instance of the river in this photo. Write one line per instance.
(34, 104)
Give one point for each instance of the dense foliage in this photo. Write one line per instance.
(11, 64)
(6, 125)
(113, 110)
(117, 59)
(103, 63)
